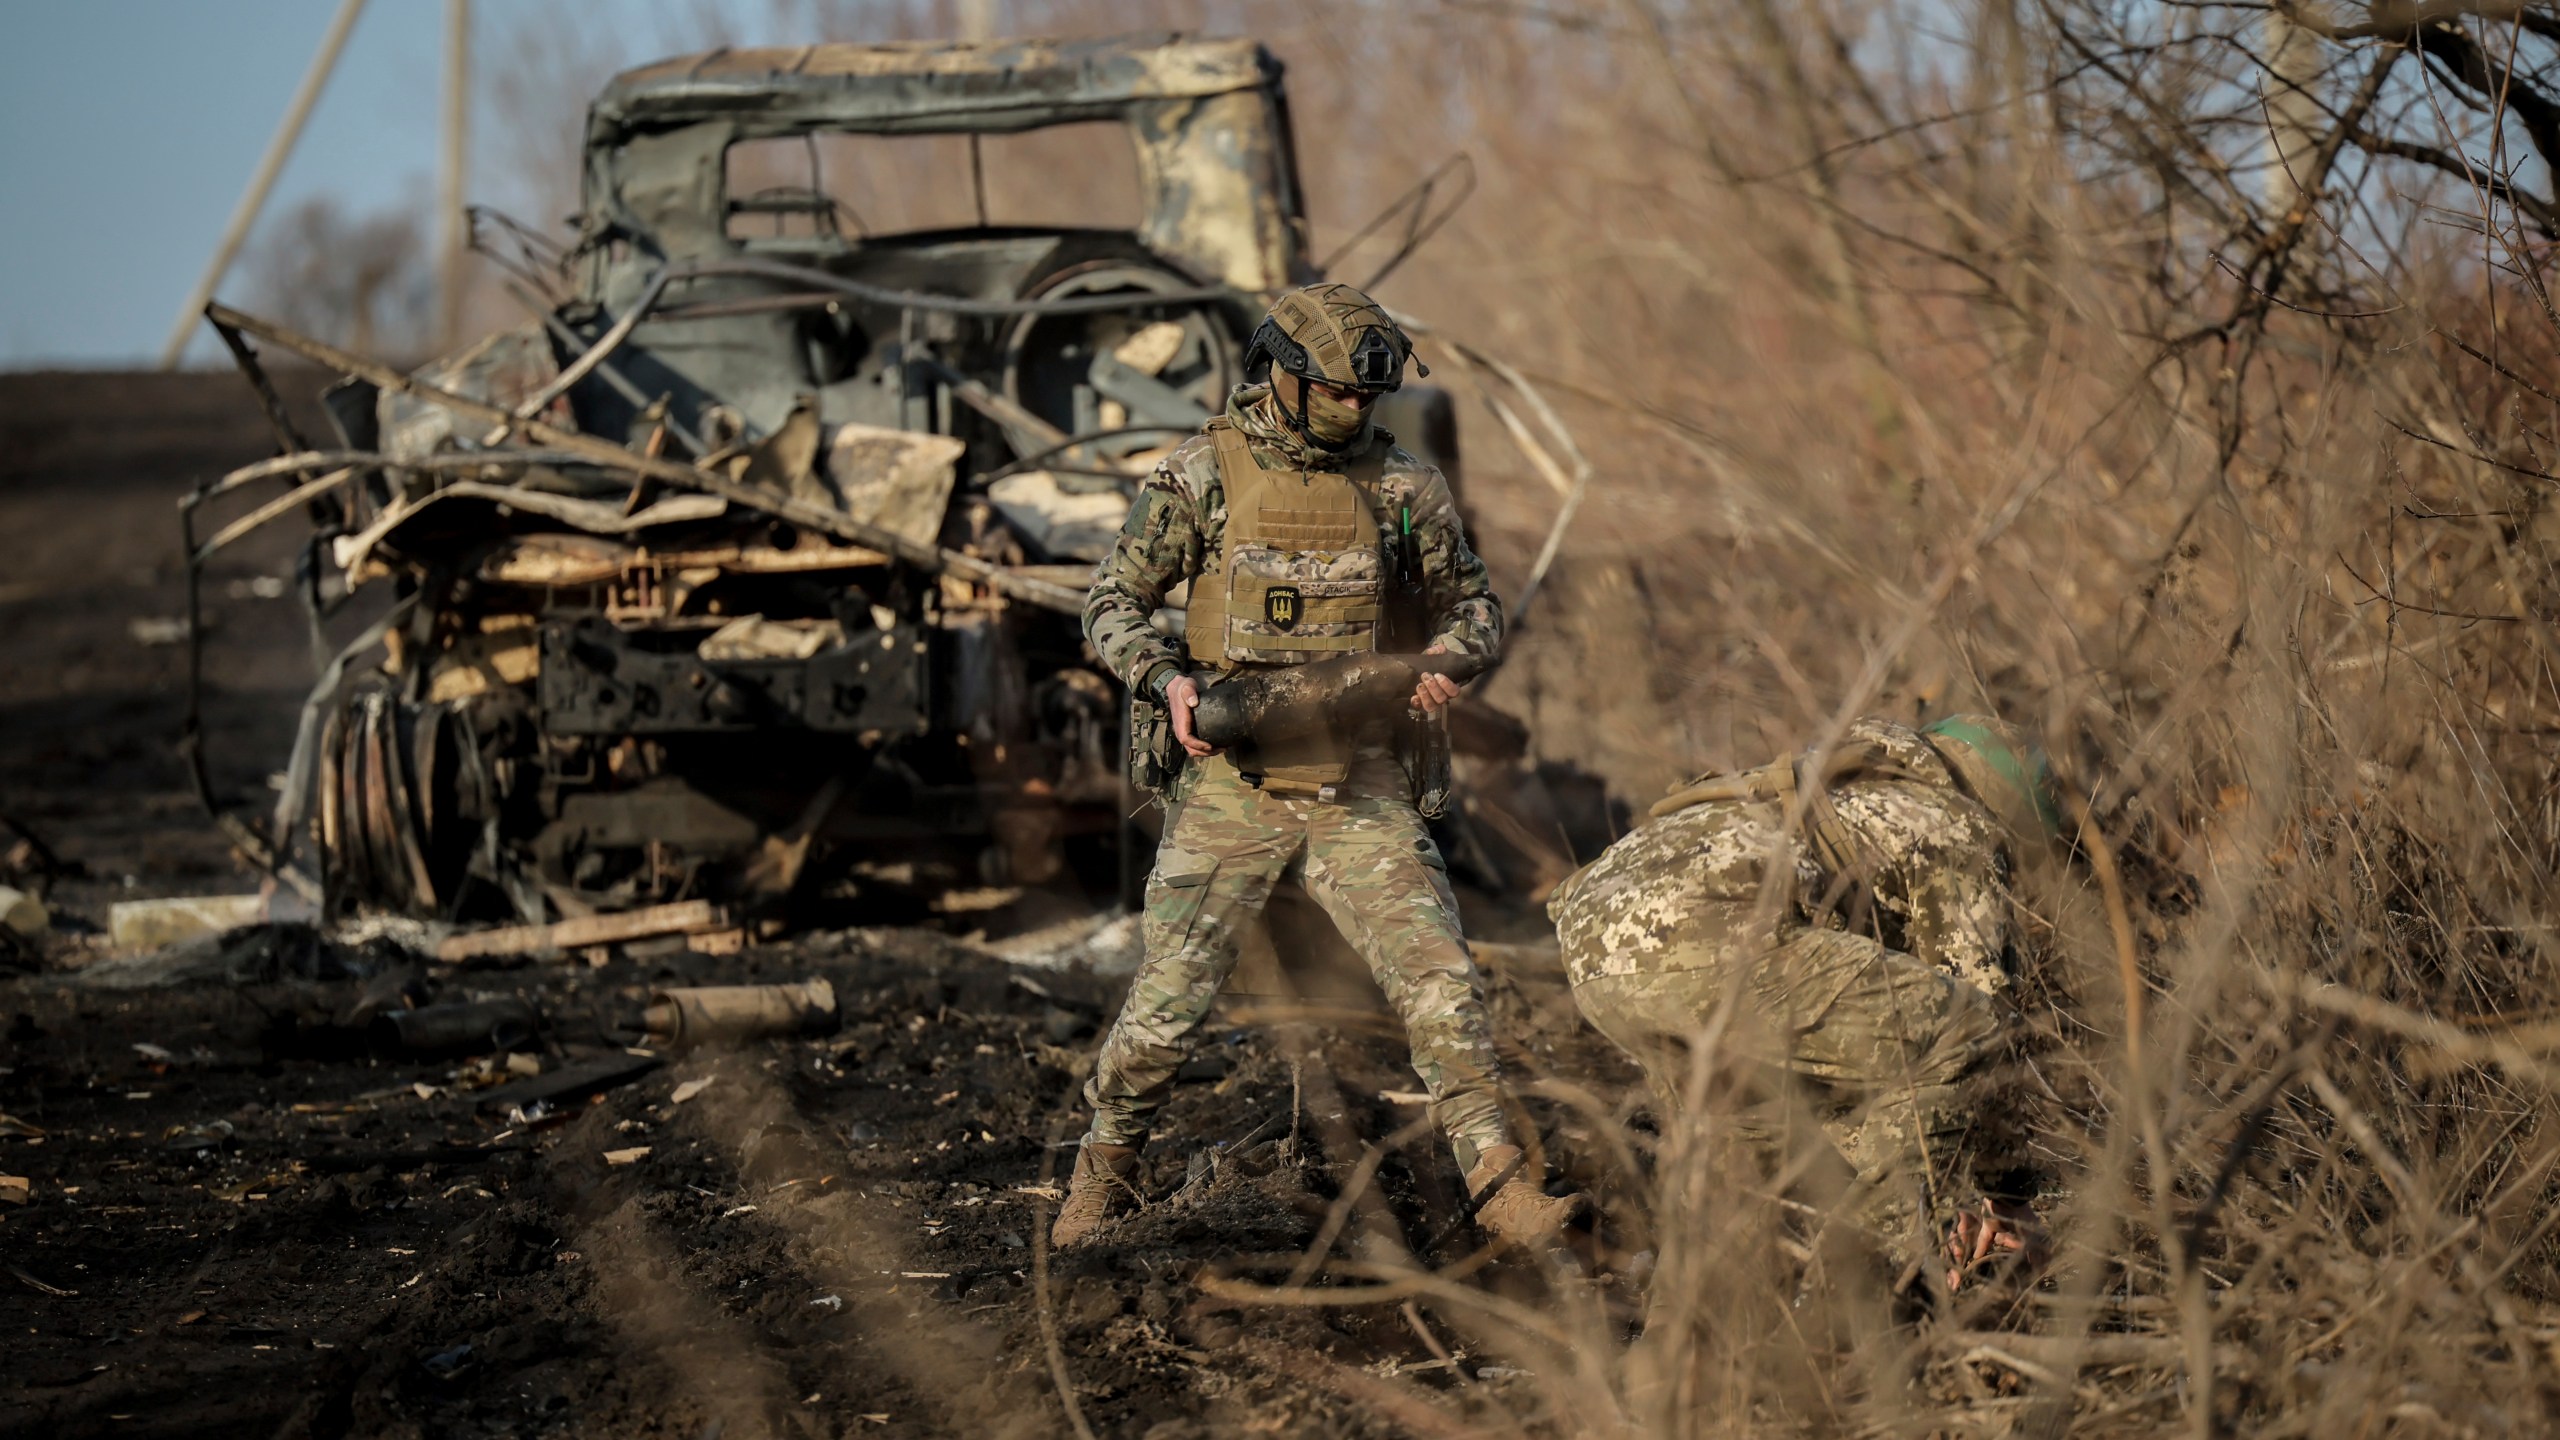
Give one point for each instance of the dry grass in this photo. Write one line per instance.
(1938, 358)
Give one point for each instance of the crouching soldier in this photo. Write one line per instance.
(1863, 952)
(1299, 525)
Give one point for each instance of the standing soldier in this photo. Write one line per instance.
(1863, 952)
(1304, 532)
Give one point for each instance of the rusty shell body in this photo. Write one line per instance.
(1268, 705)
(695, 1016)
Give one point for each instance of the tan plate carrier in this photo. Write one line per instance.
(1299, 576)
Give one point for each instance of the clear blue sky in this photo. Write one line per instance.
(129, 127)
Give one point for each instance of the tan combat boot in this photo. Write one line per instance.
(1518, 1212)
(1099, 1190)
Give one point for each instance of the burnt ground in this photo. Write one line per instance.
(245, 1221)
(250, 1231)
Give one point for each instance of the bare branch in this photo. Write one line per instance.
(2394, 21)
(2545, 216)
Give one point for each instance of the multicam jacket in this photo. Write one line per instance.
(1179, 519)
(1897, 849)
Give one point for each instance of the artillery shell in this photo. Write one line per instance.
(700, 1015)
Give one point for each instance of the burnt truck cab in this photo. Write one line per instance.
(1004, 175)
(942, 303)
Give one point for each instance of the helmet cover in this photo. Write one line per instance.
(1334, 335)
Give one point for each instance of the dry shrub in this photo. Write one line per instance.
(2052, 408)
(2174, 380)
(2006, 366)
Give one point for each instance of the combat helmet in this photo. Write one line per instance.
(1997, 766)
(1334, 334)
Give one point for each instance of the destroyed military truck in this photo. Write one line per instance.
(758, 553)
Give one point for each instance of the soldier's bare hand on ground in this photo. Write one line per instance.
(1180, 694)
(1995, 1229)
(1434, 691)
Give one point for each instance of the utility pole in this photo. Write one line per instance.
(453, 236)
(270, 165)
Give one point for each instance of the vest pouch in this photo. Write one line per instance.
(1155, 759)
(1422, 748)
(1299, 765)
(1286, 607)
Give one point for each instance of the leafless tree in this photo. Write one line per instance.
(364, 281)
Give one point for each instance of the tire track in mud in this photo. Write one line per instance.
(951, 1374)
(710, 1361)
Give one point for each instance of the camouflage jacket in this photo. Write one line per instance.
(1899, 851)
(1176, 525)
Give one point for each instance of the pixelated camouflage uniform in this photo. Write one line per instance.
(1365, 856)
(1868, 973)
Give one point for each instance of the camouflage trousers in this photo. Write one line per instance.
(1846, 1047)
(1370, 863)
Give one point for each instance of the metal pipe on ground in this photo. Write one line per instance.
(472, 1028)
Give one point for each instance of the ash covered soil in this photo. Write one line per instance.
(245, 1219)
(249, 1229)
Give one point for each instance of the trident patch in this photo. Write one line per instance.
(1280, 606)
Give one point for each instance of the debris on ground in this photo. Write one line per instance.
(470, 1027)
(584, 932)
(29, 859)
(575, 1080)
(1106, 944)
(249, 954)
(22, 914)
(694, 1016)
(41, 1287)
(138, 925)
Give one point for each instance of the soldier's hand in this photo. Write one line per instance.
(1993, 1231)
(1180, 694)
(1434, 691)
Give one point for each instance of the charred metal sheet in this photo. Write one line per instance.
(467, 509)
(1208, 119)
(506, 369)
(617, 459)
(896, 479)
(1219, 196)
(1007, 84)
(594, 681)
